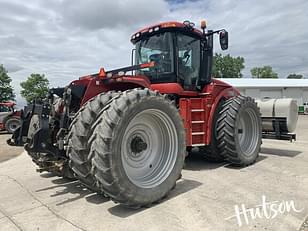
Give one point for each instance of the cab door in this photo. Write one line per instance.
(188, 60)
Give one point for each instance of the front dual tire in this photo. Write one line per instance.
(236, 133)
(239, 131)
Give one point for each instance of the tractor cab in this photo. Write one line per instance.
(181, 53)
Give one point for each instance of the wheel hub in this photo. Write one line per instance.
(13, 126)
(137, 145)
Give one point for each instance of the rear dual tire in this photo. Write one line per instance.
(80, 132)
(138, 147)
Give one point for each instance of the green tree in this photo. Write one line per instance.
(35, 87)
(6, 90)
(228, 66)
(295, 76)
(265, 72)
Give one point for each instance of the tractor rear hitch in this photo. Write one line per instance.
(34, 129)
(54, 167)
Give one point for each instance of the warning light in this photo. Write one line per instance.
(203, 24)
(102, 73)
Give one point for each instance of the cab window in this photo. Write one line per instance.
(188, 60)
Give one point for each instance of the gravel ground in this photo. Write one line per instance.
(206, 198)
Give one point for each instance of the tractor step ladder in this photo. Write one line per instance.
(195, 113)
(197, 126)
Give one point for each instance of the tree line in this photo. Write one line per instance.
(231, 67)
(36, 86)
(224, 66)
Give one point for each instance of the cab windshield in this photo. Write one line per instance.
(157, 48)
(180, 65)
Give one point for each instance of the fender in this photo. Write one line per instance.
(215, 89)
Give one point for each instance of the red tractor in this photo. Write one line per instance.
(125, 132)
(9, 117)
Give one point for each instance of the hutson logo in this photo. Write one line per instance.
(265, 210)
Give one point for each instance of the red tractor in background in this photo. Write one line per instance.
(9, 117)
(125, 132)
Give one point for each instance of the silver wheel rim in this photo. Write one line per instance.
(149, 148)
(248, 132)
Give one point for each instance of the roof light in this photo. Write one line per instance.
(203, 24)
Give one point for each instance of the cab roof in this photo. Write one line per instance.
(166, 26)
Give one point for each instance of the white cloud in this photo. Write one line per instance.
(97, 14)
(263, 32)
(65, 39)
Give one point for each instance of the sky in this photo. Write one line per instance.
(65, 39)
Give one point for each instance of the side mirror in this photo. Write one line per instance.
(223, 39)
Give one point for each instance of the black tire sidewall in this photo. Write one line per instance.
(214, 141)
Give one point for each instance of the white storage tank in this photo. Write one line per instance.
(285, 111)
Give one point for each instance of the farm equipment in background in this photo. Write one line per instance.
(303, 109)
(279, 118)
(125, 132)
(9, 117)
